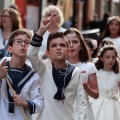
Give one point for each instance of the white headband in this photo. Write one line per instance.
(113, 18)
(105, 46)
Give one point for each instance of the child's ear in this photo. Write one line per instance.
(47, 54)
(9, 48)
(69, 51)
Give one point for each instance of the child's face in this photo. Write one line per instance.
(108, 59)
(74, 45)
(20, 46)
(58, 49)
(114, 27)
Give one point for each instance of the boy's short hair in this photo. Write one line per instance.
(19, 32)
(55, 35)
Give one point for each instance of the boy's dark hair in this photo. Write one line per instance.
(83, 53)
(55, 35)
(19, 32)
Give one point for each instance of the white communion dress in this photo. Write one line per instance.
(107, 106)
(86, 69)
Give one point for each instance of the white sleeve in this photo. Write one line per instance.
(92, 68)
(81, 101)
(36, 97)
(36, 60)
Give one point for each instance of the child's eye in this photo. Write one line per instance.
(27, 42)
(63, 45)
(75, 42)
(18, 41)
(53, 45)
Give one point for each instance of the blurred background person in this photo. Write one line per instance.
(103, 22)
(94, 24)
(56, 24)
(10, 21)
(15, 7)
(112, 32)
(92, 46)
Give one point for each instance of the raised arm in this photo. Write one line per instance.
(36, 60)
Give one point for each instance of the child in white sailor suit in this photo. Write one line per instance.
(24, 81)
(61, 82)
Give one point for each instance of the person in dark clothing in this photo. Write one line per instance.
(103, 23)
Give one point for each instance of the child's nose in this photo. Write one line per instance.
(23, 43)
(70, 44)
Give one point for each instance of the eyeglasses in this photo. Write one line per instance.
(5, 16)
(20, 42)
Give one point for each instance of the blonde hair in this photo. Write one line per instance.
(52, 8)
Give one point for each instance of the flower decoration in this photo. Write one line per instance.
(113, 18)
(95, 45)
(105, 46)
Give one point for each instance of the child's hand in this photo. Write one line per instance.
(3, 70)
(18, 100)
(44, 25)
(85, 85)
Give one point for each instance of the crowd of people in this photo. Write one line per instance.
(56, 73)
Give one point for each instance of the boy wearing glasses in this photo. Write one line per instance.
(22, 78)
(61, 82)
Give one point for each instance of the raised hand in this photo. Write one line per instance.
(44, 25)
(3, 70)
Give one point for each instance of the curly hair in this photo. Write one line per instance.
(52, 8)
(99, 64)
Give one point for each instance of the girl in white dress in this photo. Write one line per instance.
(79, 57)
(107, 107)
(112, 32)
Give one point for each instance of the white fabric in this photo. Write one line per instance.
(43, 48)
(107, 107)
(54, 109)
(30, 91)
(116, 42)
(86, 70)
